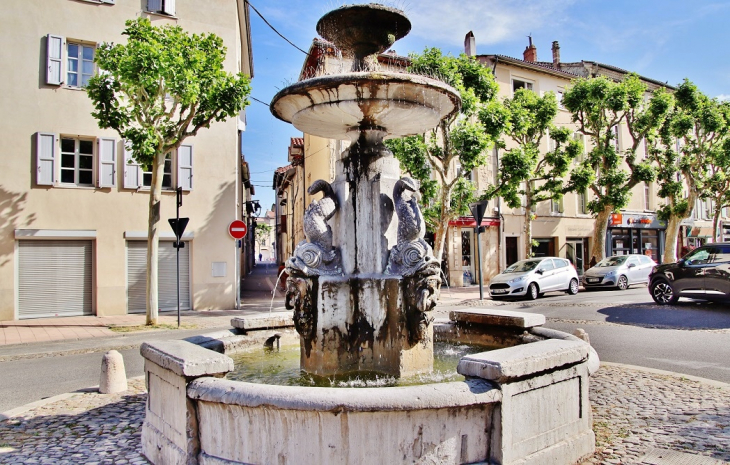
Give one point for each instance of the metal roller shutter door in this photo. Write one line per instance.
(54, 278)
(167, 286)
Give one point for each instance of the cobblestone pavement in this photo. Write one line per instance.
(633, 412)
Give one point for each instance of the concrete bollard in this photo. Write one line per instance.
(581, 333)
(113, 377)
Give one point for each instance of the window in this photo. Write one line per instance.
(166, 178)
(559, 95)
(556, 205)
(614, 131)
(647, 196)
(78, 57)
(178, 170)
(583, 202)
(77, 161)
(79, 64)
(161, 6)
(520, 84)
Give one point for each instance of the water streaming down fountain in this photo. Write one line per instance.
(361, 288)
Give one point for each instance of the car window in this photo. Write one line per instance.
(612, 261)
(644, 260)
(560, 263)
(697, 256)
(523, 266)
(546, 265)
(633, 261)
(721, 254)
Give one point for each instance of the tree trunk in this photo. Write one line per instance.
(528, 229)
(442, 227)
(153, 239)
(670, 239)
(716, 234)
(598, 251)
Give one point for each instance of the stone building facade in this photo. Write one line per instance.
(74, 205)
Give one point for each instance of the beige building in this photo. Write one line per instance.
(74, 205)
(265, 247)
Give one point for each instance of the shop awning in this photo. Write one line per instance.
(702, 231)
(470, 222)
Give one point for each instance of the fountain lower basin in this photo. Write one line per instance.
(524, 403)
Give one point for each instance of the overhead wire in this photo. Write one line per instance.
(273, 28)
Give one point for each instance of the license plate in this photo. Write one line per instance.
(499, 291)
(592, 280)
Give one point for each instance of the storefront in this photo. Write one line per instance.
(639, 233)
(466, 226)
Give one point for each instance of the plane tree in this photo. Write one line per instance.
(160, 87)
(599, 105)
(442, 159)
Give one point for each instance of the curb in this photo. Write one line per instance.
(654, 371)
(49, 400)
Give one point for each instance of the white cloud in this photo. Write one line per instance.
(493, 21)
(723, 97)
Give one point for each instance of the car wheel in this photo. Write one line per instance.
(573, 287)
(662, 292)
(532, 291)
(623, 283)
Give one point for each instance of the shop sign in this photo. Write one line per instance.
(470, 222)
(630, 220)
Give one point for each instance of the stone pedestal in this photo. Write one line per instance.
(361, 325)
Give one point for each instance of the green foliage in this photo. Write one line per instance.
(692, 152)
(263, 232)
(599, 105)
(163, 86)
(462, 140)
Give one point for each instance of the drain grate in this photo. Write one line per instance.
(673, 457)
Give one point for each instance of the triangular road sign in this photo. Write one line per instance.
(477, 210)
(178, 226)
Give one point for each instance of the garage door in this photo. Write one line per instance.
(167, 284)
(54, 278)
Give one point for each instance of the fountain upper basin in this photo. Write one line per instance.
(339, 106)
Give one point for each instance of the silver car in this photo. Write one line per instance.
(533, 277)
(619, 271)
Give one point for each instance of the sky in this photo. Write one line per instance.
(666, 40)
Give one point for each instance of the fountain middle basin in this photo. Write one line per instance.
(526, 402)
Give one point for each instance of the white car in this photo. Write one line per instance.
(619, 271)
(533, 277)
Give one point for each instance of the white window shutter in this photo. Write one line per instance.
(107, 1)
(169, 7)
(107, 166)
(154, 5)
(132, 172)
(54, 60)
(45, 158)
(185, 167)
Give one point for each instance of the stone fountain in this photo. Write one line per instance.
(363, 283)
(362, 287)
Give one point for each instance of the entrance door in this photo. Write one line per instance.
(511, 250)
(467, 262)
(167, 275)
(54, 278)
(574, 252)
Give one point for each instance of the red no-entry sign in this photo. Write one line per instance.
(237, 229)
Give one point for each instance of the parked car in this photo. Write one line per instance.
(533, 277)
(619, 271)
(703, 273)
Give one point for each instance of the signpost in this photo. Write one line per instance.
(178, 226)
(478, 209)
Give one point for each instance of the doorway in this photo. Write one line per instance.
(511, 250)
(575, 252)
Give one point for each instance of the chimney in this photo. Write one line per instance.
(530, 53)
(470, 45)
(556, 55)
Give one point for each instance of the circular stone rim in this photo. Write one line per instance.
(364, 78)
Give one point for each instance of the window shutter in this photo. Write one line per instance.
(154, 5)
(131, 170)
(46, 158)
(168, 6)
(54, 54)
(106, 176)
(185, 167)
(107, 1)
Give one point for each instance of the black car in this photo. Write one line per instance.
(703, 273)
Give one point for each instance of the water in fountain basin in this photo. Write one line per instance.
(281, 367)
